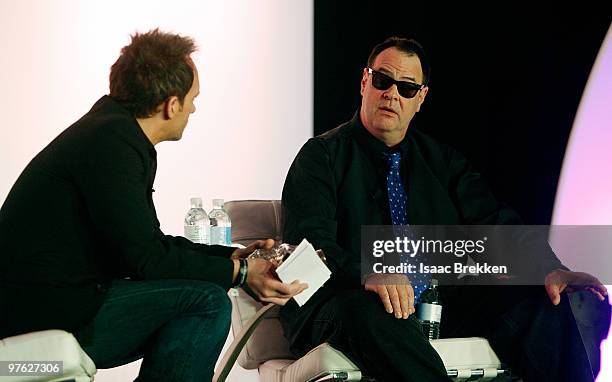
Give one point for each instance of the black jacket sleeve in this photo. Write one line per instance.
(114, 182)
(309, 208)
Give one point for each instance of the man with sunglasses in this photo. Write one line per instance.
(373, 170)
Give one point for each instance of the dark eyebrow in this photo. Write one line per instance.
(384, 71)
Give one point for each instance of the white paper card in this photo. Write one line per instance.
(304, 265)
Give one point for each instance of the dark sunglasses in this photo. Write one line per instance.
(382, 81)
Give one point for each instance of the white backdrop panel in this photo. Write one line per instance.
(253, 114)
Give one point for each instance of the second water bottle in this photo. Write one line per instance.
(220, 224)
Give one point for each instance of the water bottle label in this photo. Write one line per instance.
(429, 312)
(221, 235)
(228, 235)
(198, 234)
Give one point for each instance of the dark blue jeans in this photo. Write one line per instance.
(178, 327)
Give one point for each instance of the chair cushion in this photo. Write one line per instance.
(267, 341)
(320, 361)
(48, 345)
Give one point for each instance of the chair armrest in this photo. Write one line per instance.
(230, 357)
(48, 346)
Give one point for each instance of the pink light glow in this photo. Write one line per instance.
(584, 195)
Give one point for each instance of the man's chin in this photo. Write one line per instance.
(386, 125)
(178, 136)
(175, 138)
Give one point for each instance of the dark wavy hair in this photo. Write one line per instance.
(408, 46)
(154, 66)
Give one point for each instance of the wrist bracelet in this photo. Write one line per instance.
(242, 273)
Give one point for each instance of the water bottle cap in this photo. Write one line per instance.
(218, 203)
(196, 202)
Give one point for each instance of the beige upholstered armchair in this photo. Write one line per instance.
(258, 338)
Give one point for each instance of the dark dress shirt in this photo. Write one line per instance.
(81, 214)
(337, 184)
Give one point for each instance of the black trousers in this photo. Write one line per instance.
(538, 341)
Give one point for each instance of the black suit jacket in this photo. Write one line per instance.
(337, 184)
(81, 214)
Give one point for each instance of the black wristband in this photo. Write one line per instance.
(242, 273)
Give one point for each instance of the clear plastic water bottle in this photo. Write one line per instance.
(429, 311)
(220, 224)
(197, 223)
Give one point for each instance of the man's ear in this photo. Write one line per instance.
(364, 80)
(421, 97)
(171, 107)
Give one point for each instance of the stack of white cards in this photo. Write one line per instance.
(304, 265)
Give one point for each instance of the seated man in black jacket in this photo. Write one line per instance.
(100, 267)
(373, 170)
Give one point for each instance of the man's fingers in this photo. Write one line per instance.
(257, 244)
(551, 285)
(279, 289)
(404, 301)
(599, 287)
(266, 244)
(559, 281)
(254, 245)
(555, 298)
(411, 298)
(301, 286)
(276, 292)
(384, 296)
(395, 292)
(597, 293)
(557, 290)
(395, 300)
(554, 292)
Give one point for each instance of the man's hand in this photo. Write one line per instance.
(242, 253)
(261, 278)
(561, 280)
(395, 292)
(263, 281)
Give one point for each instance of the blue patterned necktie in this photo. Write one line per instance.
(399, 216)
